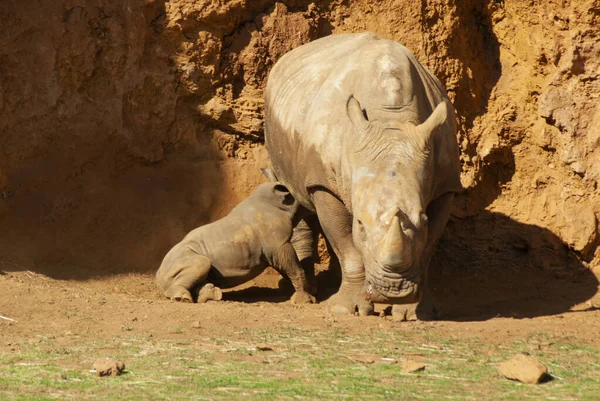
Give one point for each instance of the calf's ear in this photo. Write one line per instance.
(283, 191)
(269, 173)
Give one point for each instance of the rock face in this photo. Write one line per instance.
(124, 125)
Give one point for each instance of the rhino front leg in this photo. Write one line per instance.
(286, 263)
(336, 222)
(438, 213)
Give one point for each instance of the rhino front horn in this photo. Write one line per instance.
(396, 247)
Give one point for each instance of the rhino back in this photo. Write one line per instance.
(230, 243)
(307, 128)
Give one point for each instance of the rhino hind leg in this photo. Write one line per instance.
(190, 272)
(304, 242)
(337, 227)
(179, 294)
(285, 261)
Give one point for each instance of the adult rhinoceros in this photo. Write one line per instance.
(365, 137)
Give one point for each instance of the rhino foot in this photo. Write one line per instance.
(404, 313)
(209, 292)
(413, 312)
(179, 294)
(301, 297)
(349, 301)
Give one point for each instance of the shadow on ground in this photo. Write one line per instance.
(485, 266)
(489, 265)
(261, 294)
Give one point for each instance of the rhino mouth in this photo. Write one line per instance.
(393, 288)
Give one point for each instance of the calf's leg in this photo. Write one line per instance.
(286, 263)
(186, 273)
(304, 242)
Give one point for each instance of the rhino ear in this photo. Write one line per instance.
(436, 119)
(355, 113)
(269, 173)
(282, 191)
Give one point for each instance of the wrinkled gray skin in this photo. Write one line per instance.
(236, 249)
(365, 137)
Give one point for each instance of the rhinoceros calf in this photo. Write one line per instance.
(365, 138)
(235, 249)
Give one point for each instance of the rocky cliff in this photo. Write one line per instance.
(125, 124)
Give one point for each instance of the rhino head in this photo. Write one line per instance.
(392, 166)
(275, 194)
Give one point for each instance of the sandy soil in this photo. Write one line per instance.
(105, 308)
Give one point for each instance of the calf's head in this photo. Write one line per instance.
(392, 167)
(275, 194)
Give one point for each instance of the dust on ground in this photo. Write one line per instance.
(107, 307)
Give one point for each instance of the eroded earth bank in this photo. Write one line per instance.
(124, 125)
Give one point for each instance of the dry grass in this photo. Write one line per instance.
(293, 364)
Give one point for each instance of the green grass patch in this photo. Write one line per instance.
(302, 364)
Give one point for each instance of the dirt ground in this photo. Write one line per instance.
(213, 351)
(495, 309)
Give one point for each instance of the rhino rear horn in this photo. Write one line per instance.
(436, 119)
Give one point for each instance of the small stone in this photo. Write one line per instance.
(412, 366)
(524, 369)
(196, 324)
(108, 367)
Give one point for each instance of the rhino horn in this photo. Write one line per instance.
(396, 247)
(436, 119)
